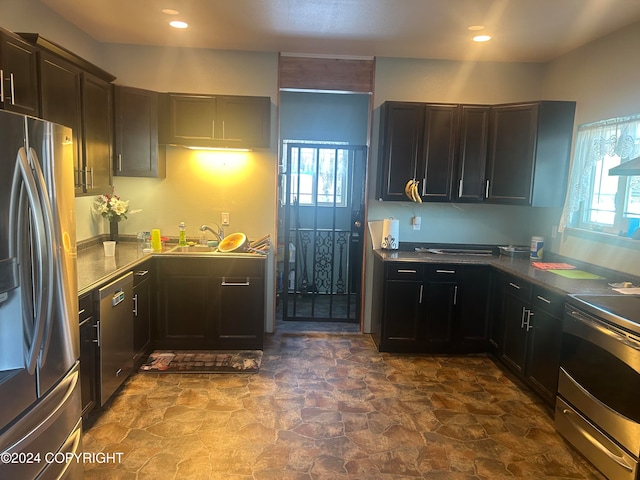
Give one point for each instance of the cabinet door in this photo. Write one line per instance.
(511, 155)
(514, 343)
(403, 318)
(19, 76)
(545, 336)
(88, 353)
(192, 118)
(97, 106)
(473, 301)
(440, 309)
(136, 134)
(243, 121)
(141, 317)
(61, 94)
(436, 162)
(474, 134)
(401, 136)
(184, 293)
(238, 313)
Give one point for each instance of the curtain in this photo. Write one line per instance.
(593, 142)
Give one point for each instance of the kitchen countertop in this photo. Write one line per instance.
(94, 269)
(520, 267)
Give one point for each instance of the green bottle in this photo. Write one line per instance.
(182, 241)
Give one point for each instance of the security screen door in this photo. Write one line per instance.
(322, 198)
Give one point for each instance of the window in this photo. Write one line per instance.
(596, 200)
(318, 175)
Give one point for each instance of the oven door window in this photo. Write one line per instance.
(603, 371)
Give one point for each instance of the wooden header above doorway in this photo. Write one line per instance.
(311, 73)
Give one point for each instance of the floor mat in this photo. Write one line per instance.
(203, 361)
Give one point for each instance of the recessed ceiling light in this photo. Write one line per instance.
(178, 24)
(481, 38)
(476, 28)
(170, 11)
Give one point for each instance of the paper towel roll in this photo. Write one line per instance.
(390, 229)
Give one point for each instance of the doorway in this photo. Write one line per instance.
(323, 197)
(322, 189)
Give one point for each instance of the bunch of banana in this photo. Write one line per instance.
(411, 190)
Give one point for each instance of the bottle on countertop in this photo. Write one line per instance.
(156, 241)
(182, 241)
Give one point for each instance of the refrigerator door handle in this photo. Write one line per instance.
(51, 244)
(25, 183)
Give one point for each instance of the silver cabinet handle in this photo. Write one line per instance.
(424, 186)
(224, 282)
(517, 287)
(1, 86)
(141, 273)
(91, 171)
(544, 299)
(459, 188)
(98, 336)
(421, 291)
(13, 97)
(455, 295)
(486, 190)
(528, 322)
(524, 312)
(406, 271)
(81, 312)
(223, 134)
(119, 162)
(449, 272)
(135, 305)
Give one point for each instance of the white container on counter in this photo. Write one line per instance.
(537, 247)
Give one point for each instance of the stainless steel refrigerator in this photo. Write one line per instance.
(40, 405)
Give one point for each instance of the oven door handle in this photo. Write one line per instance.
(603, 335)
(594, 441)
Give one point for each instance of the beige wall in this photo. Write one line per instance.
(604, 79)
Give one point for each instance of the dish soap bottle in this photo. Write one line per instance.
(182, 241)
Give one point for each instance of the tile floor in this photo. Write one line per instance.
(329, 406)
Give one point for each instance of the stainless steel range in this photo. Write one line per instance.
(598, 403)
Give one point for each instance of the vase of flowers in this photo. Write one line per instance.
(114, 209)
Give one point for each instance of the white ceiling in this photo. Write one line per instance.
(522, 30)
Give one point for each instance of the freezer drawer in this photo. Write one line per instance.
(51, 426)
(115, 334)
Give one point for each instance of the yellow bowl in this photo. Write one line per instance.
(233, 242)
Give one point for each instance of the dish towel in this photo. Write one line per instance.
(552, 266)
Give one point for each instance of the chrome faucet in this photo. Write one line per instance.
(219, 234)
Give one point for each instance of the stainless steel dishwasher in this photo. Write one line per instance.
(115, 334)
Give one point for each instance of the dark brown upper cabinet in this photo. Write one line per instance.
(78, 94)
(216, 121)
(137, 153)
(509, 154)
(418, 141)
(97, 142)
(529, 153)
(472, 154)
(18, 75)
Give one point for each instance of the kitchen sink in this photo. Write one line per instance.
(208, 251)
(194, 249)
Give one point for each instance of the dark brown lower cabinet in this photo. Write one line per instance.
(531, 335)
(89, 351)
(430, 308)
(142, 311)
(210, 303)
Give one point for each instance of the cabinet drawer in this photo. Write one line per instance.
(405, 271)
(518, 288)
(550, 302)
(443, 272)
(85, 307)
(237, 267)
